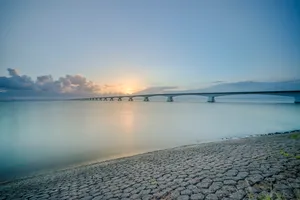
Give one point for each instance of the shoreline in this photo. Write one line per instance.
(196, 171)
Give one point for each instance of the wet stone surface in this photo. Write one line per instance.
(234, 169)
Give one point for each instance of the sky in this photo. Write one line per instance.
(128, 46)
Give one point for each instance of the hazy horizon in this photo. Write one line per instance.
(24, 87)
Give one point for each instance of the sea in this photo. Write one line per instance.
(40, 136)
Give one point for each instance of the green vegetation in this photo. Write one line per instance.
(284, 153)
(295, 136)
(265, 197)
(250, 196)
(270, 196)
(268, 192)
(153, 181)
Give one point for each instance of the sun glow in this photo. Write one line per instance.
(125, 84)
(128, 91)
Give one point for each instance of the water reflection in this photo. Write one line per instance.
(127, 119)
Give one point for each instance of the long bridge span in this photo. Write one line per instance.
(211, 96)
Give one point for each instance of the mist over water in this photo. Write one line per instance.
(55, 134)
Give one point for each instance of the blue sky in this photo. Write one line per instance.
(133, 45)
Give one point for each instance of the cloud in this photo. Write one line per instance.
(214, 82)
(12, 72)
(16, 82)
(43, 79)
(157, 90)
(68, 85)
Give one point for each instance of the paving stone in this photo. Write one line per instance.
(229, 182)
(183, 197)
(186, 192)
(205, 183)
(241, 175)
(221, 193)
(211, 197)
(232, 172)
(255, 178)
(229, 188)
(147, 197)
(96, 197)
(197, 196)
(174, 194)
(240, 194)
(135, 196)
(280, 186)
(215, 186)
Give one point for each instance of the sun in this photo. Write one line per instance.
(128, 91)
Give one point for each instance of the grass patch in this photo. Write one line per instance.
(284, 153)
(153, 181)
(295, 136)
(271, 196)
(265, 197)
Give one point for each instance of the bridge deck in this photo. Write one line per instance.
(211, 95)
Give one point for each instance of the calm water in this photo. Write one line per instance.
(43, 135)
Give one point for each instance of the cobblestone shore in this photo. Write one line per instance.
(234, 169)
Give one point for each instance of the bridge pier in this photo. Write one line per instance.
(105, 99)
(170, 99)
(297, 100)
(119, 99)
(111, 99)
(146, 99)
(130, 99)
(211, 99)
(100, 98)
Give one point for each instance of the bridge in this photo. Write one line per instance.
(210, 95)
